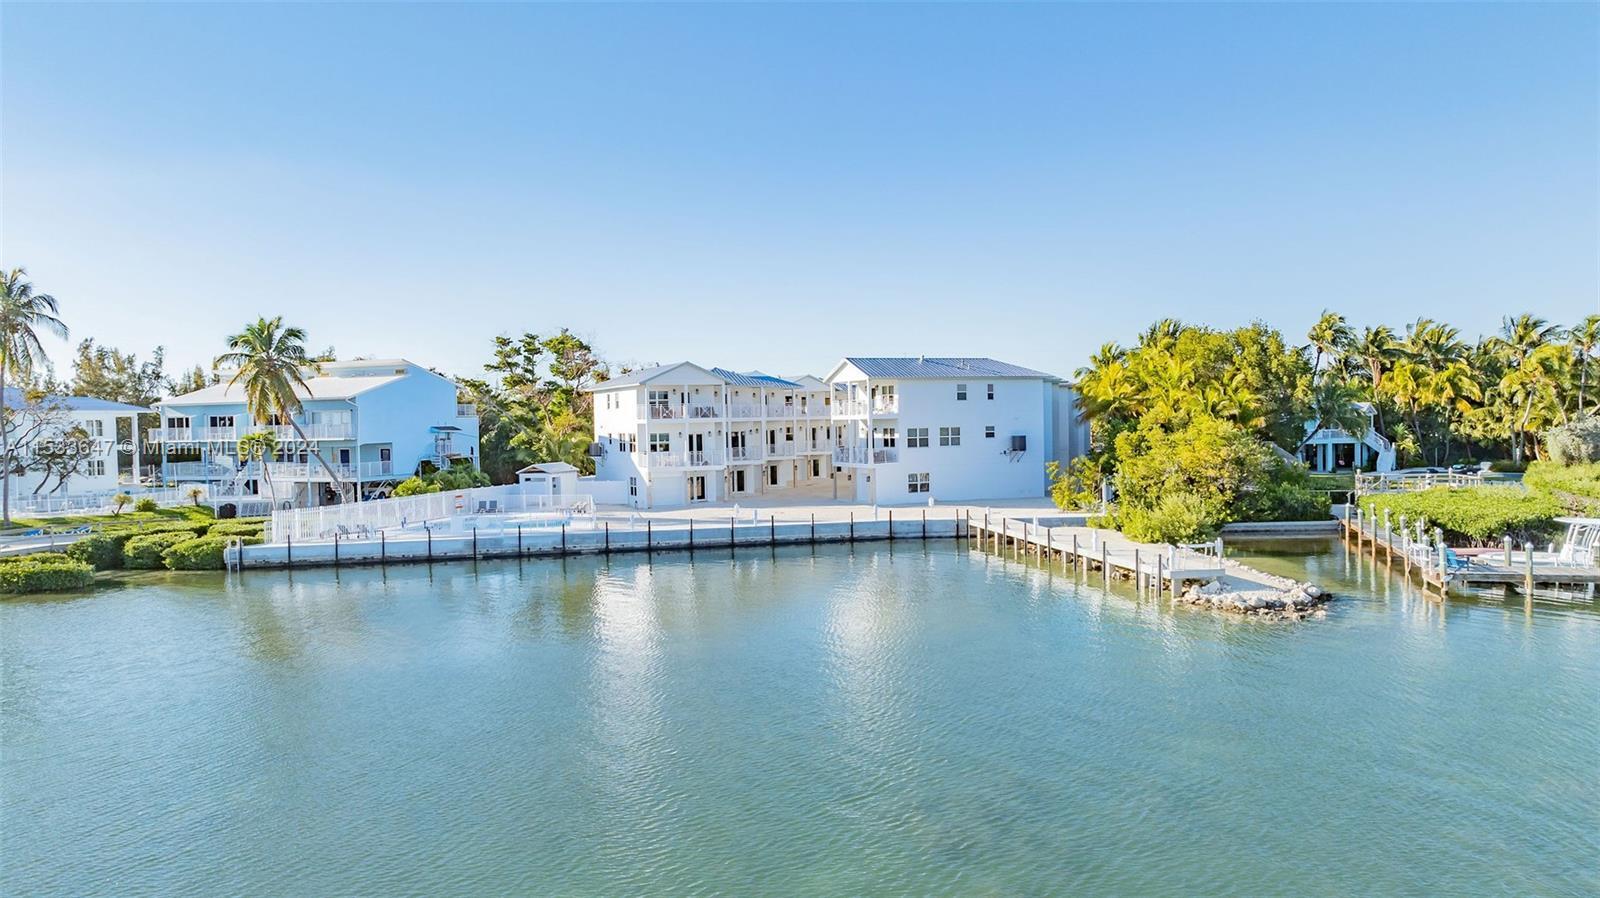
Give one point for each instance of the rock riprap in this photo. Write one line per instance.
(1282, 598)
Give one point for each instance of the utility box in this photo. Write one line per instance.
(1019, 443)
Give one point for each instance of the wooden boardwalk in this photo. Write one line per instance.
(1152, 567)
(1416, 551)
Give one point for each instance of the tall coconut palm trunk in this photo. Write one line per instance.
(316, 453)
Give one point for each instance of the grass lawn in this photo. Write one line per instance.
(66, 521)
(1333, 481)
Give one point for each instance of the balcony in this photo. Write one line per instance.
(886, 405)
(377, 470)
(783, 450)
(680, 412)
(313, 470)
(744, 454)
(742, 410)
(170, 435)
(216, 434)
(322, 430)
(850, 408)
(783, 411)
(683, 460)
(861, 455)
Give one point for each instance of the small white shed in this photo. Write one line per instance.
(551, 478)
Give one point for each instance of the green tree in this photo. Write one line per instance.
(1585, 339)
(269, 360)
(24, 314)
(105, 373)
(259, 448)
(1329, 336)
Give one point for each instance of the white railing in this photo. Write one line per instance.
(216, 434)
(861, 455)
(170, 434)
(850, 408)
(744, 453)
(200, 470)
(101, 500)
(413, 513)
(1409, 481)
(681, 460)
(783, 411)
(886, 405)
(744, 410)
(323, 430)
(783, 450)
(375, 469)
(311, 470)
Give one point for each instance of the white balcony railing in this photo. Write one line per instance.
(861, 455)
(850, 408)
(886, 405)
(783, 450)
(171, 435)
(680, 412)
(374, 470)
(743, 410)
(783, 411)
(683, 460)
(216, 434)
(744, 453)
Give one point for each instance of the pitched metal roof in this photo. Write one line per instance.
(925, 368)
(15, 398)
(753, 379)
(644, 375)
(326, 386)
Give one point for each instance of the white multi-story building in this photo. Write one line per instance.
(950, 429)
(373, 421)
(678, 434)
(1330, 449)
(885, 431)
(91, 426)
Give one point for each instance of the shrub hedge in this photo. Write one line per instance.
(1481, 515)
(1576, 486)
(240, 527)
(103, 550)
(27, 574)
(144, 552)
(203, 554)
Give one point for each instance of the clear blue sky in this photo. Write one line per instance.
(774, 187)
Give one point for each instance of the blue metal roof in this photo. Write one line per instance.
(941, 368)
(16, 399)
(754, 379)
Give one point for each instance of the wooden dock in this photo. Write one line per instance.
(1152, 567)
(1417, 550)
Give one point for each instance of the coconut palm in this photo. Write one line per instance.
(1453, 390)
(1533, 390)
(260, 446)
(1585, 338)
(1521, 336)
(1335, 405)
(23, 315)
(1162, 335)
(1328, 336)
(270, 362)
(1375, 350)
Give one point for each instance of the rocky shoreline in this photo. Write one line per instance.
(1283, 598)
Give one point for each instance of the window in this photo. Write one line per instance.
(949, 436)
(385, 454)
(633, 486)
(177, 422)
(988, 432)
(97, 467)
(660, 442)
(916, 483)
(886, 438)
(916, 437)
(95, 428)
(990, 389)
(961, 392)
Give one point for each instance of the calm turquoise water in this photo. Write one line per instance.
(908, 722)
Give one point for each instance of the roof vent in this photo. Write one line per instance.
(922, 359)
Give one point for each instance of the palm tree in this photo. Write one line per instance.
(1328, 336)
(260, 447)
(1162, 335)
(22, 314)
(1585, 338)
(270, 360)
(1335, 405)
(1375, 350)
(1534, 390)
(1452, 389)
(1522, 335)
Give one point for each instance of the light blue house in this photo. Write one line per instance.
(373, 421)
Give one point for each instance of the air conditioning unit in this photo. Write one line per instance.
(1019, 443)
(595, 450)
